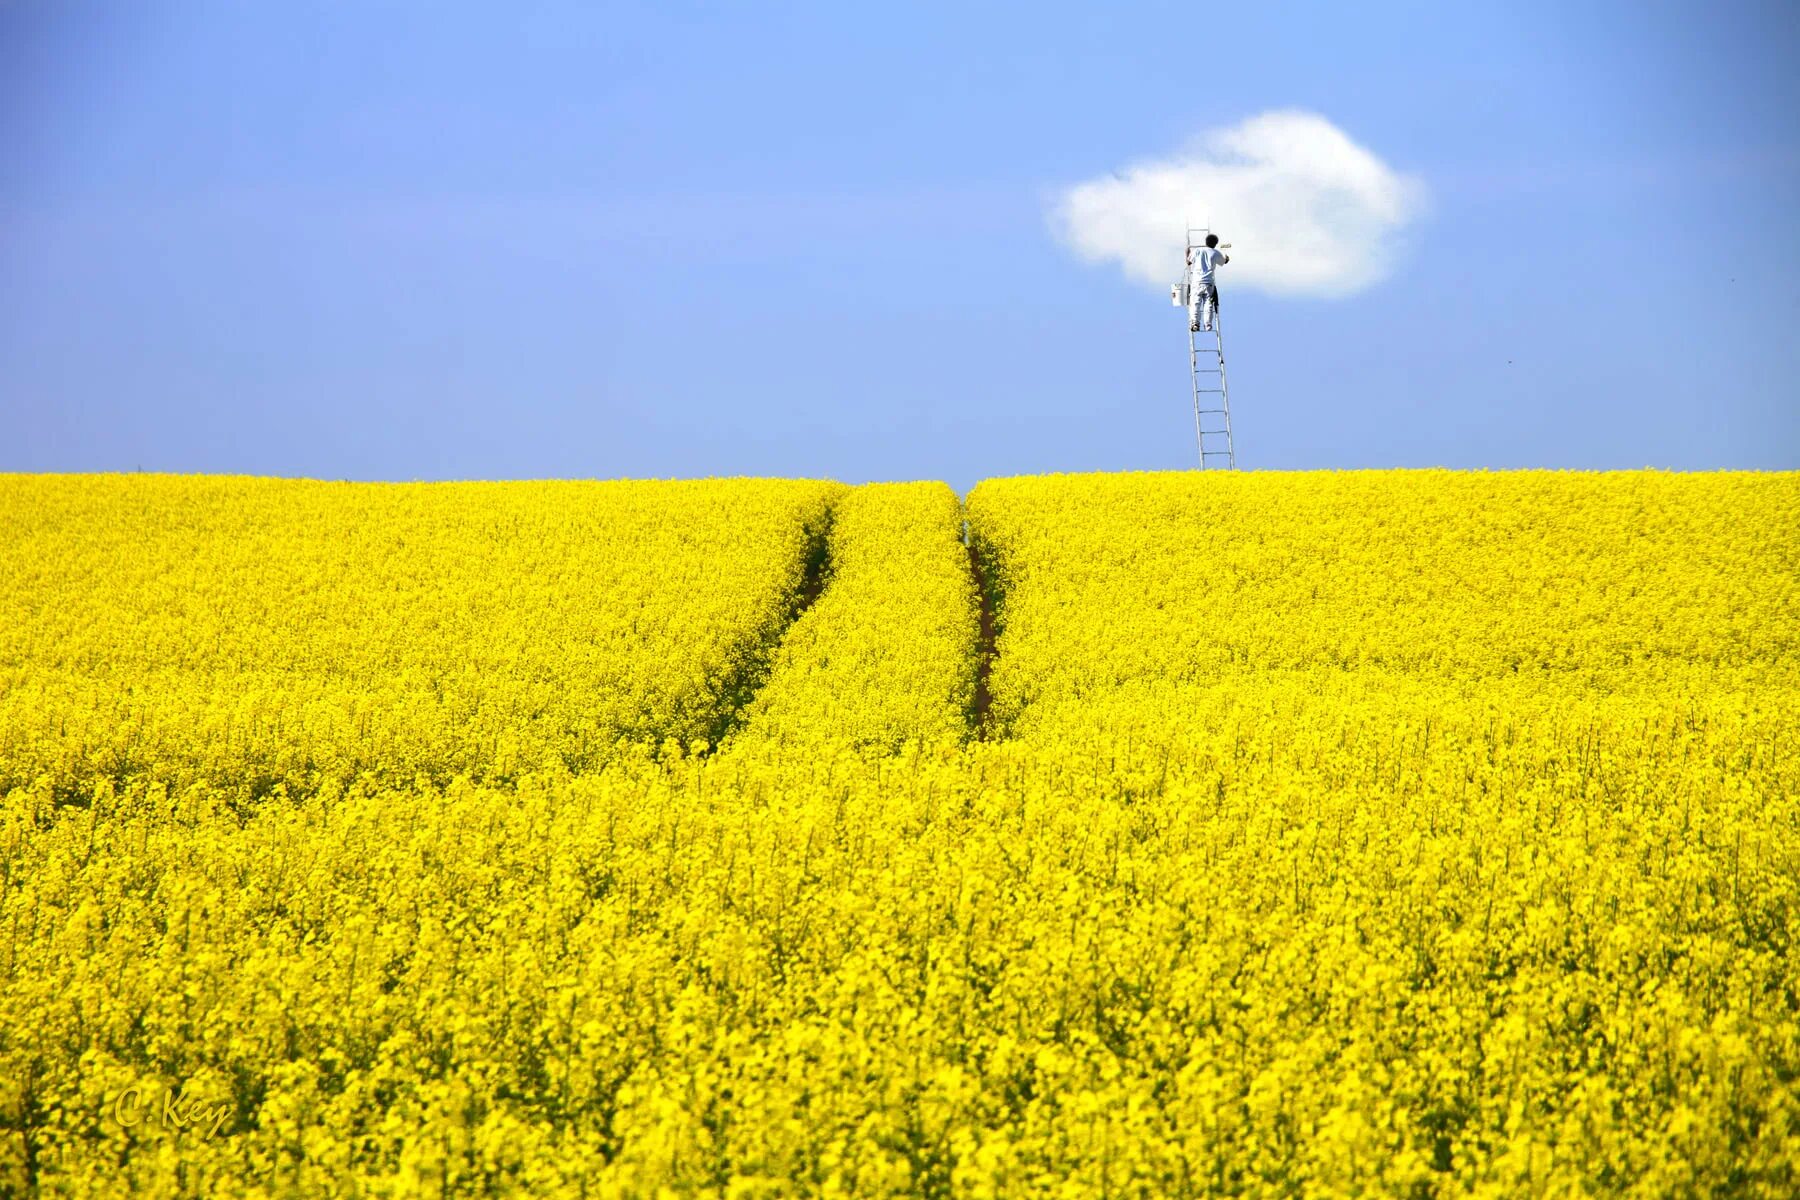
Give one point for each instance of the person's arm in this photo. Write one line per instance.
(1224, 258)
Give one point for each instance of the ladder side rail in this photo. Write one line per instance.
(1224, 390)
(1193, 364)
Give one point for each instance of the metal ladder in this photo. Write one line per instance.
(1201, 357)
(1212, 404)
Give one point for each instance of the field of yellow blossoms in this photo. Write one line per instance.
(1415, 834)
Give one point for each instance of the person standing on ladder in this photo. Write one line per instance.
(1203, 286)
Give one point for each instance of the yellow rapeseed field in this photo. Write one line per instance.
(256, 632)
(1376, 833)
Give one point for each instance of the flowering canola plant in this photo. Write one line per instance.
(1386, 833)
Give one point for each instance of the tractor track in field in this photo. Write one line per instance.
(737, 695)
(979, 725)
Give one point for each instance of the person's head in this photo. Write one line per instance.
(1212, 239)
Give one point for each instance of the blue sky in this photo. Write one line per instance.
(396, 242)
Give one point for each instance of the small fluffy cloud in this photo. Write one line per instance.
(1307, 211)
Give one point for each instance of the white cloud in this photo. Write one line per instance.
(1308, 211)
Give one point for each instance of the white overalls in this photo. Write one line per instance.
(1203, 287)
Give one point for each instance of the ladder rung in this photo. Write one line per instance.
(1209, 410)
